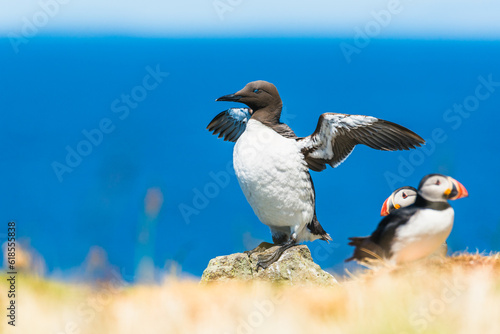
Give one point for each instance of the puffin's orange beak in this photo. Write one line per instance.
(458, 190)
(385, 207)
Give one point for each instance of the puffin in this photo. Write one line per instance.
(401, 198)
(416, 231)
(272, 163)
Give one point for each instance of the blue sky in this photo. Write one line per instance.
(415, 19)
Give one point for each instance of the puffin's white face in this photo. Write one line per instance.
(400, 198)
(404, 197)
(440, 188)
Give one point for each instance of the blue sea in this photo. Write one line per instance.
(104, 142)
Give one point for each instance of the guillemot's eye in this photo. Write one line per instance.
(256, 90)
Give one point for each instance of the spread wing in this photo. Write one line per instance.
(230, 123)
(337, 134)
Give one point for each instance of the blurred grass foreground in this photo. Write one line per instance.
(459, 294)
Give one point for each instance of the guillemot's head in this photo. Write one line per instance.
(400, 198)
(256, 95)
(440, 188)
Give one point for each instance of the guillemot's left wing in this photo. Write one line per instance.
(337, 134)
(230, 123)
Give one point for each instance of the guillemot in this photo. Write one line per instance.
(272, 164)
(416, 231)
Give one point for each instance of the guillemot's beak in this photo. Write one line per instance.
(230, 97)
(388, 206)
(457, 190)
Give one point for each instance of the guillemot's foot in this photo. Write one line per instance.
(260, 248)
(266, 261)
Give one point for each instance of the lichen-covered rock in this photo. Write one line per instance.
(295, 266)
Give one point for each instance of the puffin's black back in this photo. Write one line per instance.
(384, 234)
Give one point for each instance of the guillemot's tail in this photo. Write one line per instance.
(316, 229)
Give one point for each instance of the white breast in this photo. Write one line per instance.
(274, 178)
(422, 235)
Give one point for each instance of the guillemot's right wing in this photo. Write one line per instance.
(230, 123)
(337, 134)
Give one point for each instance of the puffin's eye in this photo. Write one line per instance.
(404, 195)
(438, 183)
(256, 90)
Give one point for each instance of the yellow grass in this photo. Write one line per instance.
(458, 295)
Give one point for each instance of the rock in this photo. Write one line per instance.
(295, 266)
